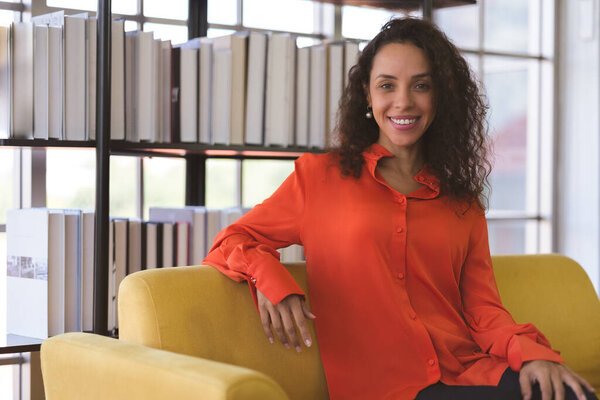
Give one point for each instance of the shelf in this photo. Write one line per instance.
(20, 344)
(170, 149)
(398, 4)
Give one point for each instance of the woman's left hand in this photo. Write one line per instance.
(551, 376)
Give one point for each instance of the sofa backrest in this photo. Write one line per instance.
(200, 312)
(555, 294)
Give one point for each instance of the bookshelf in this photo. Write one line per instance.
(195, 154)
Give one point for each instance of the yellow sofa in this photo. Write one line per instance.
(190, 332)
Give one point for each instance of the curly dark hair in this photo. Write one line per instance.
(455, 145)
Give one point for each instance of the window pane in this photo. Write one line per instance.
(289, 15)
(302, 41)
(131, 26)
(3, 300)
(70, 178)
(172, 9)
(261, 178)
(6, 17)
(364, 23)
(221, 183)
(175, 33)
(164, 183)
(215, 32)
(123, 186)
(460, 24)
(222, 12)
(514, 174)
(513, 237)
(508, 25)
(6, 381)
(118, 7)
(6, 177)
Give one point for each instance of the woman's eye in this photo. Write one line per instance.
(386, 86)
(422, 86)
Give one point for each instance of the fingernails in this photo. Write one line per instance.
(271, 340)
(287, 345)
(298, 349)
(308, 342)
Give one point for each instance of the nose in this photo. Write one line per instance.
(403, 98)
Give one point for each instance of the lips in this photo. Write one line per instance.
(403, 122)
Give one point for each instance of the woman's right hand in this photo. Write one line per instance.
(282, 316)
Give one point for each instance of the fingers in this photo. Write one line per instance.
(525, 385)
(576, 383)
(299, 311)
(557, 385)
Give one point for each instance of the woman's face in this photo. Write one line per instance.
(401, 95)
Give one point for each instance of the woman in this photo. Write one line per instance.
(395, 239)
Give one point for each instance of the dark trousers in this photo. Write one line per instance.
(508, 389)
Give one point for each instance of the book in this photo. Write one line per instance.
(198, 235)
(280, 91)
(120, 248)
(255, 92)
(35, 240)
(134, 246)
(175, 215)
(112, 299)
(91, 40)
(117, 80)
(318, 96)
(182, 243)
(168, 245)
(56, 76)
(235, 44)
(302, 96)
(151, 245)
(40, 81)
(22, 80)
(205, 90)
(5, 68)
(221, 104)
(188, 92)
(88, 224)
(72, 283)
(131, 132)
(156, 91)
(175, 94)
(143, 97)
(75, 96)
(213, 226)
(351, 53)
(335, 80)
(165, 91)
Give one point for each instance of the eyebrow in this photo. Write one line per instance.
(384, 76)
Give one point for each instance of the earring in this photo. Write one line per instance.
(369, 113)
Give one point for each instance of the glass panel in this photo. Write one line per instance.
(131, 26)
(70, 178)
(6, 382)
(3, 302)
(508, 25)
(513, 237)
(6, 17)
(215, 32)
(118, 7)
(172, 9)
(164, 183)
(222, 12)
(175, 33)
(507, 82)
(460, 24)
(6, 177)
(290, 15)
(364, 23)
(123, 186)
(302, 41)
(260, 178)
(221, 183)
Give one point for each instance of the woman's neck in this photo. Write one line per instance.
(407, 161)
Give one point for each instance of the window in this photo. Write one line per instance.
(164, 183)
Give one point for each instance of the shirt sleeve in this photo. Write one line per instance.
(490, 324)
(246, 250)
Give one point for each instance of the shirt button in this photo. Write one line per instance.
(399, 230)
(400, 275)
(432, 362)
(412, 315)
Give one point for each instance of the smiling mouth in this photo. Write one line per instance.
(404, 121)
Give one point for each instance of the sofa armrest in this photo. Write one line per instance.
(89, 366)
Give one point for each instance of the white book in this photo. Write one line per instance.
(56, 76)
(75, 29)
(92, 41)
(131, 131)
(182, 243)
(173, 215)
(144, 86)
(165, 91)
(22, 81)
(168, 245)
(205, 89)
(151, 241)
(156, 91)
(134, 243)
(40, 82)
(188, 101)
(255, 92)
(221, 116)
(35, 272)
(198, 237)
(112, 299)
(213, 227)
(335, 81)
(117, 80)
(87, 270)
(229, 216)
(280, 92)
(318, 96)
(236, 44)
(351, 53)
(302, 96)
(120, 238)
(5, 105)
(72, 271)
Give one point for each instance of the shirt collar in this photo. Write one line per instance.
(425, 176)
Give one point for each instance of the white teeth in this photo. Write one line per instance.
(403, 121)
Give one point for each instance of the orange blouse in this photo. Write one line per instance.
(402, 285)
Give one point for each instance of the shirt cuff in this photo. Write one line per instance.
(522, 348)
